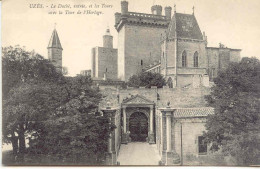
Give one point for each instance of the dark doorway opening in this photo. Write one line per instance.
(138, 127)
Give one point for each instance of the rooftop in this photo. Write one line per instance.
(185, 25)
(54, 41)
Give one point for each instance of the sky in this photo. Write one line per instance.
(235, 23)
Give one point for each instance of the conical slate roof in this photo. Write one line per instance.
(186, 27)
(54, 41)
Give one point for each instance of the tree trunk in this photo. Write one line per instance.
(21, 142)
(14, 140)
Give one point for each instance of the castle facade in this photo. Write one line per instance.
(172, 45)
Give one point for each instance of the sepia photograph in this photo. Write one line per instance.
(130, 83)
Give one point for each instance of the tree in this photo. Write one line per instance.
(56, 113)
(19, 66)
(74, 134)
(235, 125)
(147, 79)
(26, 80)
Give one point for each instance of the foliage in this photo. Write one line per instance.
(19, 65)
(235, 125)
(25, 77)
(146, 79)
(73, 134)
(56, 113)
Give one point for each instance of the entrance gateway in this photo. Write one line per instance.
(138, 120)
(138, 127)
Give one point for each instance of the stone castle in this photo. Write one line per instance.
(173, 117)
(172, 45)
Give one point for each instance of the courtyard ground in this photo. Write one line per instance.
(138, 153)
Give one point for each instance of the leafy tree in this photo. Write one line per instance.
(56, 113)
(235, 125)
(147, 79)
(19, 66)
(74, 134)
(25, 74)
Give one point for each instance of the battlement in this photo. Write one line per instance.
(154, 19)
(140, 18)
(147, 16)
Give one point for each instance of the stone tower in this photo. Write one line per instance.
(55, 51)
(139, 36)
(108, 39)
(184, 59)
(104, 59)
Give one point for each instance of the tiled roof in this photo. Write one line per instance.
(186, 27)
(193, 112)
(54, 41)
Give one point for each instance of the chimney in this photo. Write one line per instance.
(124, 7)
(168, 12)
(156, 10)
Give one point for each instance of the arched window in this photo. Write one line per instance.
(196, 59)
(184, 59)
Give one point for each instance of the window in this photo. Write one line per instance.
(196, 59)
(202, 145)
(106, 69)
(184, 59)
(141, 62)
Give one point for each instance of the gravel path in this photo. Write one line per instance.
(138, 153)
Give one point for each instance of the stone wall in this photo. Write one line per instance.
(219, 58)
(191, 48)
(183, 98)
(104, 62)
(121, 54)
(55, 55)
(213, 56)
(138, 43)
(178, 97)
(235, 55)
(187, 131)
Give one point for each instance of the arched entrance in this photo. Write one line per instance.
(138, 127)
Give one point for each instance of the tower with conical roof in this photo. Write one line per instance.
(55, 50)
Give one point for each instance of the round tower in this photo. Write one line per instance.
(108, 39)
(124, 7)
(168, 12)
(156, 10)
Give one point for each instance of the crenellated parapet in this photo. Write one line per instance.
(156, 19)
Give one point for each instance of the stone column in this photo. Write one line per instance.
(151, 132)
(169, 155)
(125, 134)
(111, 149)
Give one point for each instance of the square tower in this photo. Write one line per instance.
(139, 36)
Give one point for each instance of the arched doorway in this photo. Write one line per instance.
(138, 127)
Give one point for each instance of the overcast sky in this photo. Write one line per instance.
(235, 23)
